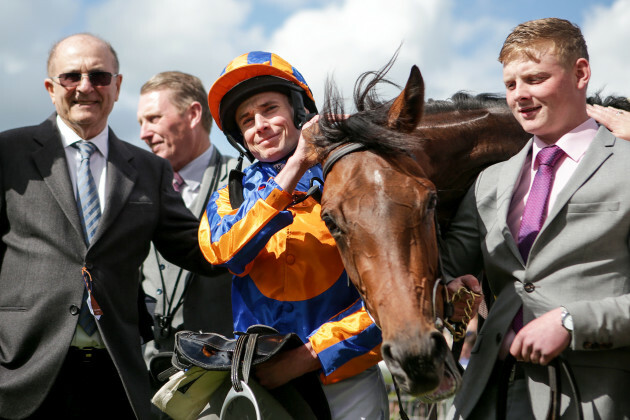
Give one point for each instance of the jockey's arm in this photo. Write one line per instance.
(286, 366)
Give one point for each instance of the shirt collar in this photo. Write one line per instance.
(194, 170)
(573, 144)
(69, 137)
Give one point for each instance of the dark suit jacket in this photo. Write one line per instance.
(42, 251)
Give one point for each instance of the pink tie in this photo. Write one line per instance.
(535, 211)
(178, 182)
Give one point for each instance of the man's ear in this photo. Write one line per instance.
(194, 114)
(50, 87)
(582, 72)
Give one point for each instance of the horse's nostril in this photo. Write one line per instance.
(438, 343)
(386, 351)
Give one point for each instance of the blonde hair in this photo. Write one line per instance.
(536, 37)
(185, 89)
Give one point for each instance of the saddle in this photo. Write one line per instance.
(200, 353)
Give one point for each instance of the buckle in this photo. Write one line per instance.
(86, 354)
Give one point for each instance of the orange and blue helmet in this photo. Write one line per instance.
(253, 73)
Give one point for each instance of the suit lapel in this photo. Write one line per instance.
(600, 149)
(51, 162)
(198, 204)
(121, 177)
(510, 173)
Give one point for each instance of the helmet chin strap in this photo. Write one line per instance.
(299, 112)
(241, 149)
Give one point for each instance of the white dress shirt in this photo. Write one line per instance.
(98, 167)
(192, 174)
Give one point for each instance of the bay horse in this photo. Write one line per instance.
(385, 200)
(395, 172)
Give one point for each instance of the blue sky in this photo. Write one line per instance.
(454, 42)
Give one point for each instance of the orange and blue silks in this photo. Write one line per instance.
(287, 271)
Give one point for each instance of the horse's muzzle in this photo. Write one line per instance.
(422, 365)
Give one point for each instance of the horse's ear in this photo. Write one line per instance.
(406, 111)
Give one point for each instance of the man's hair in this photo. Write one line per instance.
(53, 51)
(536, 37)
(185, 89)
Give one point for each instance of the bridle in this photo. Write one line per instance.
(439, 323)
(458, 332)
(341, 151)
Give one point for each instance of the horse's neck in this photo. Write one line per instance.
(454, 153)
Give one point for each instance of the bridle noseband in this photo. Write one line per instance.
(338, 153)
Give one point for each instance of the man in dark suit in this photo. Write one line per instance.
(175, 123)
(75, 226)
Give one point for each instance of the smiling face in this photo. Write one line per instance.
(266, 122)
(546, 97)
(83, 108)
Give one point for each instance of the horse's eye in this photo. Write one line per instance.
(331, 225)
(432, 203)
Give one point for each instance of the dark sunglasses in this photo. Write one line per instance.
(97, 78)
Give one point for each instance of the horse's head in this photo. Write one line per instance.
(381, 209)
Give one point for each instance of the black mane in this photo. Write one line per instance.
(368, 125)
(463, 100)
(619, 102)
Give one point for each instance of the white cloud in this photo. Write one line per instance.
(194, 36)
(321, 38)
(27, 32)
(343, 40)
(607, 31)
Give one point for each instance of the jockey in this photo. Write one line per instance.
(287, 271)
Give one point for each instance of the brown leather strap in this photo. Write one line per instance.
(555, 384)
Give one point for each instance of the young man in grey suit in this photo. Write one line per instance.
(549, 228)
(78, 211)
(175, 123)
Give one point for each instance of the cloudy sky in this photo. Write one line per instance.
(454, 42)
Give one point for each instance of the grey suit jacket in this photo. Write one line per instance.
(42, 251)
(580, 260)
(207, 304)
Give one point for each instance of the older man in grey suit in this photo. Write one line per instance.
(78, 211)
(175, 123)
(550, 230)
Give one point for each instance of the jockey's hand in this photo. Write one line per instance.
(305, 151)
(471, 283)
(541, 340)
(287, 365)
(304, 157)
